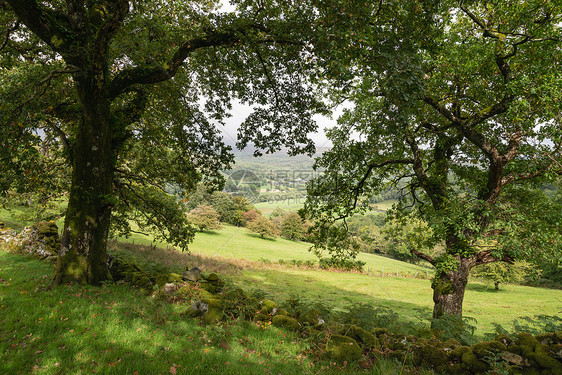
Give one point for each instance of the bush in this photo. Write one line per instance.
(204, 217)
(263, 226)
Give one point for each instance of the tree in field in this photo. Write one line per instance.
(230, 208)
(204, 217)
(250, 215)
(502, 273)
(263, 226)
(120, 84)
(292, 227)
(466, 115)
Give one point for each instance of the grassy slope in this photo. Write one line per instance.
(239, 243)
(119, 330)
(338, 289)
(411, 298)
(83, 329)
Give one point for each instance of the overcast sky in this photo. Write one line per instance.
(240, 112)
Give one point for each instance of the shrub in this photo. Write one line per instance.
(263, 226)
(204, 217)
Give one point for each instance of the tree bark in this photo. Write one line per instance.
(83, 254)
(448, 290)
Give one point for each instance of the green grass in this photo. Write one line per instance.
(411, 298)
(117, 329)
(239, 243)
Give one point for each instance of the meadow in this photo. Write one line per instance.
(256, 269)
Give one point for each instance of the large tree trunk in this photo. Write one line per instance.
(83, 252)
(448, 290)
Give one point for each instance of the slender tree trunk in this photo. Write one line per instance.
(83, 252)
(448, 290)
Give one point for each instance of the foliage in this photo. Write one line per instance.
(535, 325)
(463, 118)
(407, 233)
(204, 217)
(263, 226)
(455, 327)
(230, 208)
(250, 215)
(503, 273)
(134, 93)
(292, 227)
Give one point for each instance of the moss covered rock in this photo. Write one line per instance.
(311, 317)
(528, 340)
(545, 361)
(285, 322)
(267, 306)
(365, 338)
(456, 354)
(261, 317)
(471, 362)
(343, 348)
(487, 348)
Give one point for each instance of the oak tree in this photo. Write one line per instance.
(134, 92)
(466, 116)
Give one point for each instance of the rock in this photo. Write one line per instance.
(267, 306)
(512, 358)
(487, 348)
(174, 277)
(285, 322)
(360, 335)
(282, 311)
(170, 288)
(525, 339)
(193, 274)
(213, 277)
(40, 240)
(472, 363)
(343, 348)
(457, 353)
(311, 317)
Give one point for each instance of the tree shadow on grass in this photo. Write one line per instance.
(260, 237)
(483, 288)
(119, 329)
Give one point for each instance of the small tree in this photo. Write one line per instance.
(501, 272)
(292, 227)
(204, 217)
(250, 216)
(263, 226)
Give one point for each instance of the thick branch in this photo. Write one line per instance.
(485, 257)
(423, 256)
(111, 26)
(49, 25)
(124, 80)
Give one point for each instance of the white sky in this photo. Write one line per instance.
(240, 112)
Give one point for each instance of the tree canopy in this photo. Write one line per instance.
(134, 93)
(464, 116)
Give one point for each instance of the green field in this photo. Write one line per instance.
(410, 297)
